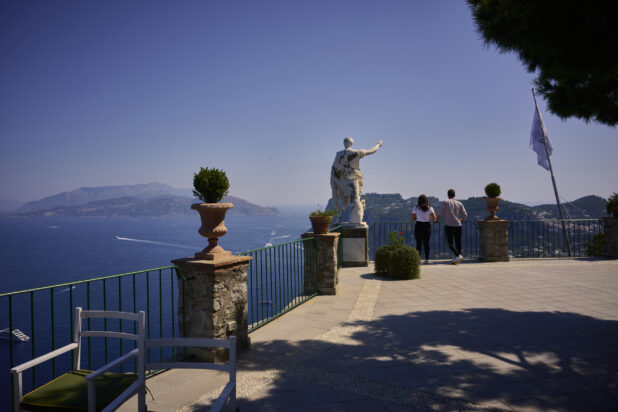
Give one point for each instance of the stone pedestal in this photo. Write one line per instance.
(355, 245)
(212, 302)
(323, 275)
(493, 240)
(610, 224)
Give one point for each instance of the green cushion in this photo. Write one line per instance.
(70, 391)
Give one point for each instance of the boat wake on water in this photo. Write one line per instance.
(66, 289)
(152, 242)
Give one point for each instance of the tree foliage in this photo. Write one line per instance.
(572, 46)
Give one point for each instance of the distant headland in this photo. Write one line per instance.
(141, 200)
(394, 208)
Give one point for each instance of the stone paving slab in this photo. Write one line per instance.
(538, 335)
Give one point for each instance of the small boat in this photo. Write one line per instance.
(17, 334)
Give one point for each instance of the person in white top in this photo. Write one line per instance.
(423, 214)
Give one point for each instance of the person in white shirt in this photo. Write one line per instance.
(423, 214)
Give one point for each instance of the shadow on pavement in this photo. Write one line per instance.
(444, 360)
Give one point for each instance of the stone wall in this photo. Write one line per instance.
(213, 302)
(493, 240)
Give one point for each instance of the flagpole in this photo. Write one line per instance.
(553, 180)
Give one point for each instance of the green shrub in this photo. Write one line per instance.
(405, 263)
(210, 185)
(404, 260)
(381, 259)
(493, 190)
(596, 246)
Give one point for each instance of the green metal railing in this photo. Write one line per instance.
(280, 278)
(545, 238)
(45, 314)
(437, 243)
(527, 238)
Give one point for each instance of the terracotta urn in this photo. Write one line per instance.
(213, 227)
(492, 206)
(320, 224)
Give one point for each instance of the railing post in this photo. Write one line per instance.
(610, 226)
(326, 260)
(493, 240)
(214, 302)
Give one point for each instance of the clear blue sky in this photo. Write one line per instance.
(117, 92)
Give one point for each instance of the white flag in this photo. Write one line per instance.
(537, 135)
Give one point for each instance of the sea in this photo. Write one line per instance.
(43, 251)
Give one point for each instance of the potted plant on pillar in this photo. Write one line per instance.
(321, 219)
(493, 192)
(210, 185)
(612, 205)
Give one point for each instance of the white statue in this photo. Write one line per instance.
(346, 181)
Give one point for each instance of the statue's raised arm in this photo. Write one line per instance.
(374, 148)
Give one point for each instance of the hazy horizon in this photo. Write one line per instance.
(305, 206)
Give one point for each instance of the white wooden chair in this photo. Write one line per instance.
(82, 389)
(228, 392)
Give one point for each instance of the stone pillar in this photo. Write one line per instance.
(212, 302)
(323, 275)
(493, 240)
(610, 225)
(355, 245)
(310, 279)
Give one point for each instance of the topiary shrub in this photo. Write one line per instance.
(493, 190)
(381, 257)
(210, 185)
(396, 259)
(405, 263)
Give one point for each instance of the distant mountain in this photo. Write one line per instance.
(85, 195)
(153, 199)
(585, 207)
(394, 208)
(244, 208)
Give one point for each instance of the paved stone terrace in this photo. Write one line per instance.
(538, 335)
